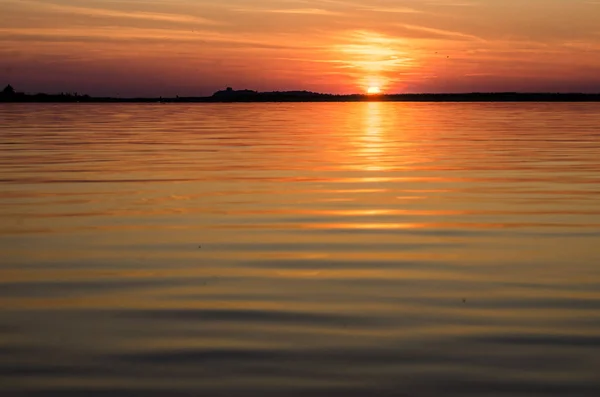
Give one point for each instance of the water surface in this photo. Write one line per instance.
(340, 249)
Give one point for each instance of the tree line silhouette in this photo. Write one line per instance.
(230, 95)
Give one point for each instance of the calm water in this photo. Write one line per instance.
(366, 249)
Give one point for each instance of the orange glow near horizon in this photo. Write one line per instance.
(196, 47)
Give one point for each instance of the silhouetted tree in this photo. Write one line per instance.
(8, 90)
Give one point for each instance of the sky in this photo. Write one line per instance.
(195, 47)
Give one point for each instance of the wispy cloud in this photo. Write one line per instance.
(140, 35)
(308, 11)
(396, 10)
(300, 11)
(111, 13)
(441, 32)
(373, 58)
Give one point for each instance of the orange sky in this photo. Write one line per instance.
(194, 47)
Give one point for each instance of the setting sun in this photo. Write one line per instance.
(373, 90)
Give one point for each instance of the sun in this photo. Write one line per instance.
(373, 90)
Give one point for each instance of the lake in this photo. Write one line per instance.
(310, 249)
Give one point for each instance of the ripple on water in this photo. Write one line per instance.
(356, 249)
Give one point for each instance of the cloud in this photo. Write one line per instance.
(398, 10)
(441, 32)
(130, 34)
(374, 58)
(301, 11)
(309, 11)
(142, 15)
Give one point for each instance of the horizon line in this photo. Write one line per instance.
(306, 92)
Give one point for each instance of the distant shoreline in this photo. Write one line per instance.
(246, 96)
